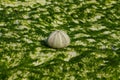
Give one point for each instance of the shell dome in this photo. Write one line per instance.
(58, 39)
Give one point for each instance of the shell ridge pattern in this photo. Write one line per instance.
(58, 39)
(65, 37)
(54, 40)
(51, 39)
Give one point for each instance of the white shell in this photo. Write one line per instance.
(58, 39)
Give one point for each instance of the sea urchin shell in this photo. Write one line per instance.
(58, 39)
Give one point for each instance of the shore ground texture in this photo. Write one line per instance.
(93, 27)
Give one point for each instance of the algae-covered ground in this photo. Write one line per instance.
(93, 27)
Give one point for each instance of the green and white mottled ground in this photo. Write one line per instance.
(94, 29)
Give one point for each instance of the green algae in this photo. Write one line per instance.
(93, 27)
